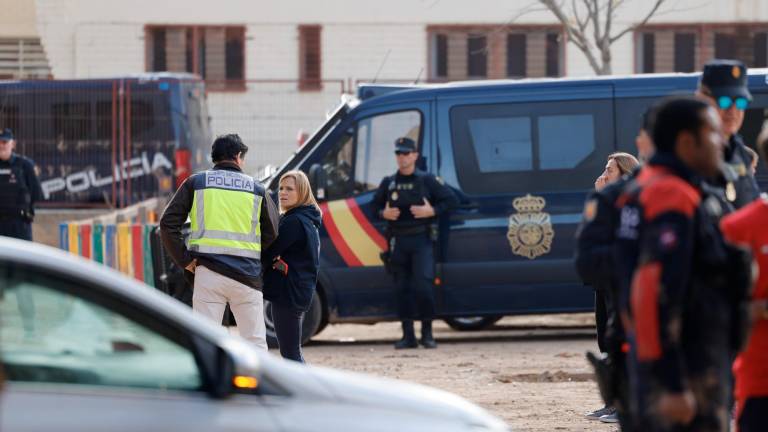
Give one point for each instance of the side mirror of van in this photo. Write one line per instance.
(318, 179)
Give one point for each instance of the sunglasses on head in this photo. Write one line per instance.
(402, 153)
(726, 102)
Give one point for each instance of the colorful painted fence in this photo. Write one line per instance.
(126, 247)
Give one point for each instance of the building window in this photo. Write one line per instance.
(440, 61)
(216, 53)
(685, 47)
(477, 56)
(648, 62)
(725, 45)
(760, 48)
(310, 58)
(553, 54)
(516, 55)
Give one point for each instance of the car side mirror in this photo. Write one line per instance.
(318, 179)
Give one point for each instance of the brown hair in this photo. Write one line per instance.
(303, 189)
(762, 142)
(624, 161)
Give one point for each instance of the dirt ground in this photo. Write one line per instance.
(530, 371)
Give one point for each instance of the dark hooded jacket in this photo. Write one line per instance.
(298, 244)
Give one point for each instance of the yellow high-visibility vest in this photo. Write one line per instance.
(225, 214)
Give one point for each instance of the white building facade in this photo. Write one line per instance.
(274, 69)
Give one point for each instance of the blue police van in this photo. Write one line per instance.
(521, 155)
(109, 142)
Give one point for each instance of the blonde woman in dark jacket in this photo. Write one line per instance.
(295, 255)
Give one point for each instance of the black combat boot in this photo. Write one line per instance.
(409, 337)
(427, 341)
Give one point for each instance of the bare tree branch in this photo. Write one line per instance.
(589, 26)
(642, 23)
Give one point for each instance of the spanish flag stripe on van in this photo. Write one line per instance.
(338, 241)
(376, 236)
(356, 240)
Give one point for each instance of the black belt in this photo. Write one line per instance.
(412, 230)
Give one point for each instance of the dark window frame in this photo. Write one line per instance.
(196, 55)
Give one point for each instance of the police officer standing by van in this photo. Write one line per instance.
(724, 85)
(411, 200)
(232, 220)
(19, 190)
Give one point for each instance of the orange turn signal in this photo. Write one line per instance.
(245, 382)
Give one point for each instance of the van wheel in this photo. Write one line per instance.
(472, 323)
(311, 326)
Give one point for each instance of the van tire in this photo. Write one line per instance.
(312, 324)
(472, 323)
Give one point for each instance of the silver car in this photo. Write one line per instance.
(85, 348)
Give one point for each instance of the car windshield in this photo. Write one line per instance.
(52, 335)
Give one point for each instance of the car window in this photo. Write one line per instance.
(337, 165)
(576, 130)
(376, 138)
(364, 153)
(51, 334)
(521, 147)
(502, 143)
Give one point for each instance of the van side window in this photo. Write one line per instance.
(530, 147)
(576, 130)
(376, 137)
(502, 143)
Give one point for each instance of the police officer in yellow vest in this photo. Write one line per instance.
(232, 221)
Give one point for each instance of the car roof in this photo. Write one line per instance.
(62, 263)
(623, 86)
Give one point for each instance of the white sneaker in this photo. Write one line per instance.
(612, 417)
(595, 415)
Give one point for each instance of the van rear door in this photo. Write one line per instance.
(524, 157)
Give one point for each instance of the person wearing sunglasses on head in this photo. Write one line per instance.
(724, 85)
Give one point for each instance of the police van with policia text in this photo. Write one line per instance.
(109, 142)
(522, 155)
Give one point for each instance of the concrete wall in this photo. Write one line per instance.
(18, 19)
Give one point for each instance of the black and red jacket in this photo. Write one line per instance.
(677, 278)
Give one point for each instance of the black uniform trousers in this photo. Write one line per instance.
(413, 265)
(15, 227)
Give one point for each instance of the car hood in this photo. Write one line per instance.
(401, 396)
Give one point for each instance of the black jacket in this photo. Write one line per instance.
(298, 244)
(19, 188)
(175, 215)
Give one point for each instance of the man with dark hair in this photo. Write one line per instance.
(724, 85)
(748, 227)
(675, 278)
(232, 220)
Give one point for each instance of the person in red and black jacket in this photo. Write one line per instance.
(749, 227)
(675, 269)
